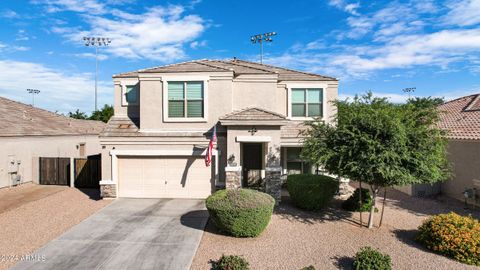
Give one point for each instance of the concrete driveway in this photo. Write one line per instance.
(129, 234)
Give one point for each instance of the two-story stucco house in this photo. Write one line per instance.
(155, 144)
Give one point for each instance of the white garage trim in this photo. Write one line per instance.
(116, 153)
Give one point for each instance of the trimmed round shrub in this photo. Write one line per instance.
(240, 212)
(371, 259)
(353, 202)
(311, 267)
(231, 262)
(452, 235)
(311, 192)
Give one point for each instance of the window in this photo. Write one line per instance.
(307, 102)
(295, 165)
(131, 94)
(185, 100)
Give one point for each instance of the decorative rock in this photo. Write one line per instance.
(273, 183)
(233, 177)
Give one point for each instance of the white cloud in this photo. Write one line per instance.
(101, 57)
(87, 6)
(9, 14)
(59, 91)
(160, 33)
(463, 13)
(198, 44)
(347, 7)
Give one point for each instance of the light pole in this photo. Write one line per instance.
(96, 42)
(409, 90)
(33, 92)
(260, 38)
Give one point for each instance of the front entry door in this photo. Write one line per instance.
(252, 164)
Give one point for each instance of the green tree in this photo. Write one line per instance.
(77, 114)
(102, 115)
(380, 143)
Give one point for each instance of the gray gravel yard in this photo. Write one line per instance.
(329, 240)
(34, 223)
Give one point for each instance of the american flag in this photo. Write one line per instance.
(208, 156)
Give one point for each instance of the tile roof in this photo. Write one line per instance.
(236, 66)
(293, 129)
(121, 127)
(461, 117)
(253, 113)
(18, 119)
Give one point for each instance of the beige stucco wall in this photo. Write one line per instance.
(28, 149)
(465, 160)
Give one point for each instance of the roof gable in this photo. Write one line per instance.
(236, 66)
(253, 114)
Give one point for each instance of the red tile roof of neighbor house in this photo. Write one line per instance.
(461, 118)
(19, 119)
(237, 66)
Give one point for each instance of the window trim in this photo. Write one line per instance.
(123, 85)
(292, 86)
(165, 81)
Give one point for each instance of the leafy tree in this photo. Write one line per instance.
(102, 115)
(77, 114)
(380, 143)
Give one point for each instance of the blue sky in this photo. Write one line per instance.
(382, 46)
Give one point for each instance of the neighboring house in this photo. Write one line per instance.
(461, 119)
(27, 133)
(155, 144)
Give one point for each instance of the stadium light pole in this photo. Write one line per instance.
(33, 92)
(260, 38)
(409, 90)
(96, 42)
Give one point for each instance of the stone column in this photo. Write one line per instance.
(273, 182)
(233, 177)
(344, 189)
(108, 189)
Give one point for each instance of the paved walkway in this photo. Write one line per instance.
(11, 198)
(129, 234)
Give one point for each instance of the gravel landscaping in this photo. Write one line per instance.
(329, 239)
(34, 223)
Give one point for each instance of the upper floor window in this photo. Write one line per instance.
(185, 99)
(130, 94)
(307, 102)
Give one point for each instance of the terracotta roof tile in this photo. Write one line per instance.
(18, 119)
(461, 117)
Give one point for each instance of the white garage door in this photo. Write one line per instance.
(164, 177)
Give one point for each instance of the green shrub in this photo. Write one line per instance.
(353, 202)
(240, 212)
(311, 192)
(311, 267)
(230, 262)
(371, 259)
(452, 235)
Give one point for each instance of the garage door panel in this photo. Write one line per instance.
(154, 177)
(165, 177)
(131, 170)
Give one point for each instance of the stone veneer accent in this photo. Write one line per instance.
(108, 189)
(233, 177)
(273, 183)
(344, 189)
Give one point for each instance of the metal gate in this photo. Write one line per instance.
(54, 171)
